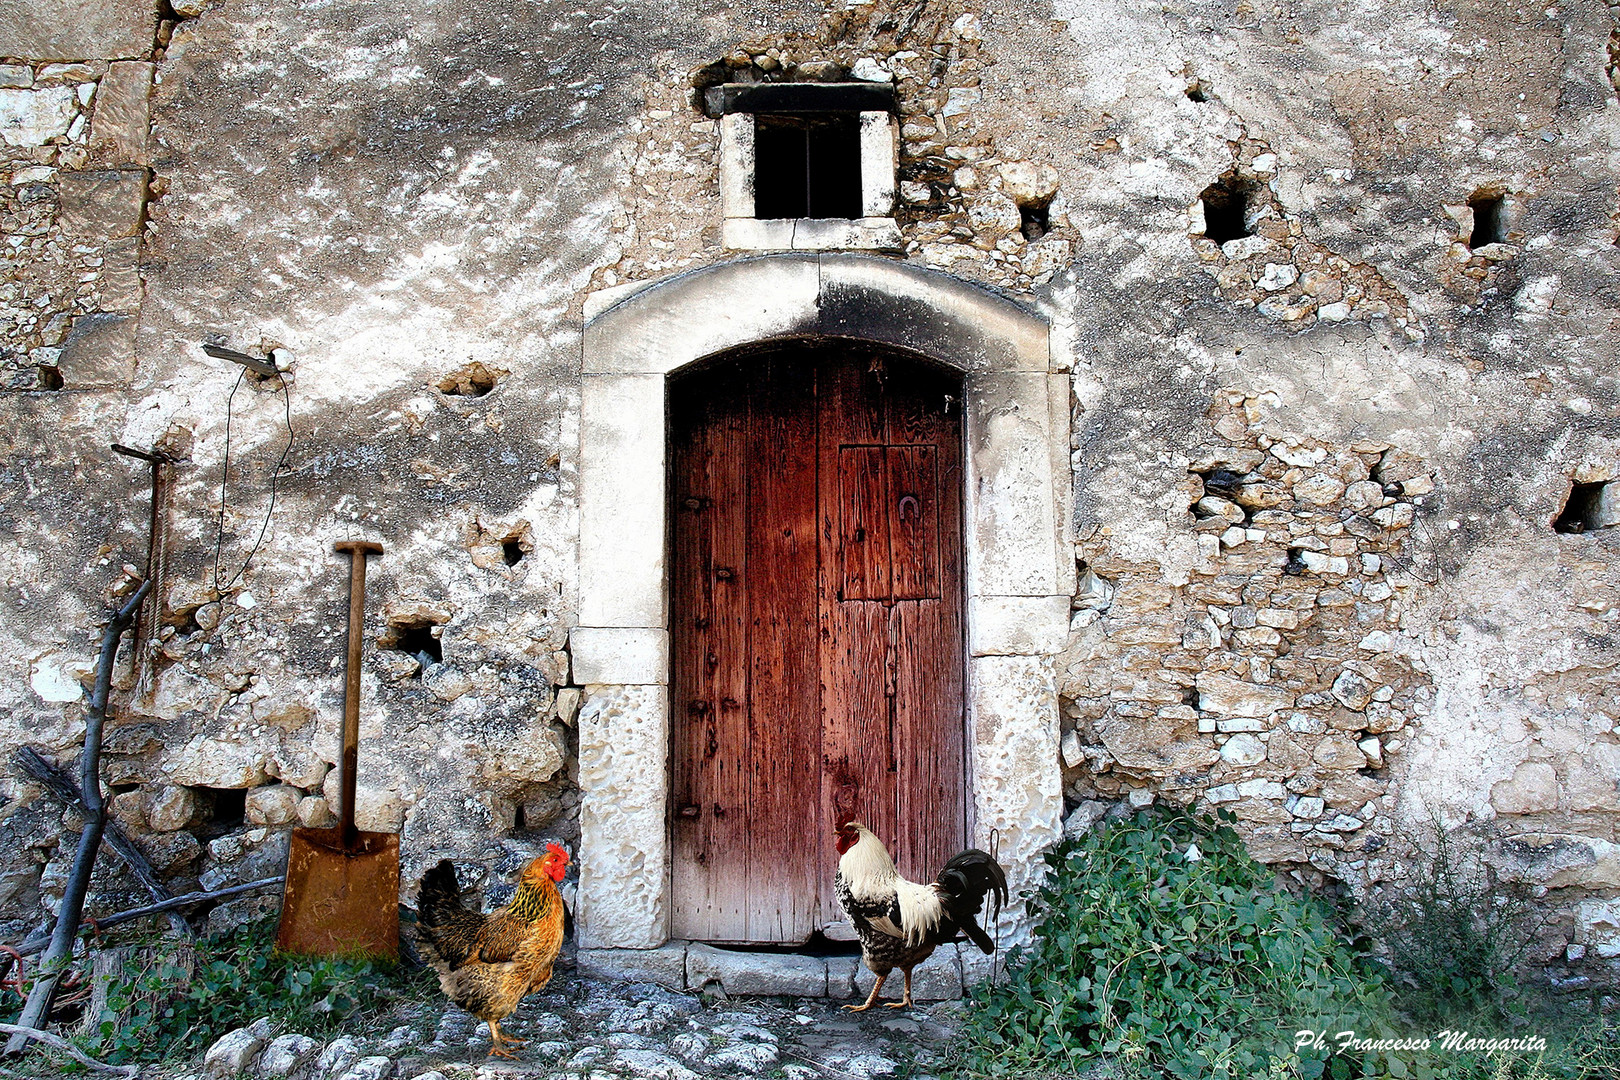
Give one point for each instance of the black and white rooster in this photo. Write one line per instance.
(900, 922)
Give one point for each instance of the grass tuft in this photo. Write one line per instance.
(172, 1000)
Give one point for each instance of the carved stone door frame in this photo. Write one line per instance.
(1019, 558)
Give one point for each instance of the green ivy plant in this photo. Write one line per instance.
(1163, 949)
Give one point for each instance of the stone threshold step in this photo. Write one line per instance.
(692, 965)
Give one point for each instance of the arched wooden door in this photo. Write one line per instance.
(816, 626)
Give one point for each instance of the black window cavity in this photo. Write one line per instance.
(807, 166)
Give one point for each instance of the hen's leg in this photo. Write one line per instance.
(870, 998)
(905, 1002)
(499, 1041)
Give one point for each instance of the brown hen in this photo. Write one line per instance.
(487, 963)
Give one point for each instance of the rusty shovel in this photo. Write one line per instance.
(342, 891)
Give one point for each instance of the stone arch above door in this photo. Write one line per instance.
(1018, 553)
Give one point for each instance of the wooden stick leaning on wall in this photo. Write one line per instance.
(60, 950)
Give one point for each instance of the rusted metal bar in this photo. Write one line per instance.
(151, 616)
(252, 363)
(357, 551)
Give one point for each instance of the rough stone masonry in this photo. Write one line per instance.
(1334, 289)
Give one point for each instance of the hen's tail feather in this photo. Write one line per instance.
(440, 899)
(963, 885)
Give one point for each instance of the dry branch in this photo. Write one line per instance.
(37, 944)
(60, 785)
(17, 1032)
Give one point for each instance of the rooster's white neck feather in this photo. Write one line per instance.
(871, 876)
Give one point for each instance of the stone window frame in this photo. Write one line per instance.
(875, 230)
(1018, 544)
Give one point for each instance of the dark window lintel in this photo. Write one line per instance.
(794, 98)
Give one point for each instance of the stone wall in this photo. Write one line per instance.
(1316, 468)
(1266, 674)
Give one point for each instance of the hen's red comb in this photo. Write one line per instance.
(557, 850)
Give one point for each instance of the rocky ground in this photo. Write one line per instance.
(600, 1029)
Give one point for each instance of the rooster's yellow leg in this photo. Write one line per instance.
(905, 1002)
(870, 998)
(499, 1041)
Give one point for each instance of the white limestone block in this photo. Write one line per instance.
(1011, 514)
(621, 528)
(737, 165)
(631, 655)
(665, 966)
(878, 159)
(756, 973)
(1017, 787)
(938, 978)
(623, 779)
(1017, 625)
(34, 117)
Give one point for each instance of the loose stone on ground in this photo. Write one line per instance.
(599, 1029)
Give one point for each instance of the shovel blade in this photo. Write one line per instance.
(341, 901)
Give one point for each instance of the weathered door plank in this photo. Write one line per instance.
(925, 457)
(710, 748)
(784, 721)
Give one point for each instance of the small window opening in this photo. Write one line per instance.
(1585, 511)
(512, 551)
(418, 640)
(1488, 225)
(1296, 562)
(519, 820)
(1226, 209)
(227, 806)
(50, 378)
(1198, 90)
(1033, 220)
(807, 166)
(1189, 698)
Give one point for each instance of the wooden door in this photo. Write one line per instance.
(816, 599)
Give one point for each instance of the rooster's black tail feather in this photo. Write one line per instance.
(976, 934)
(963, 885)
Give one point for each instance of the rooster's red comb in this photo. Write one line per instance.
(557, 850)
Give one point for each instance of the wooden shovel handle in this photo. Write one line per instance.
(357, 550)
